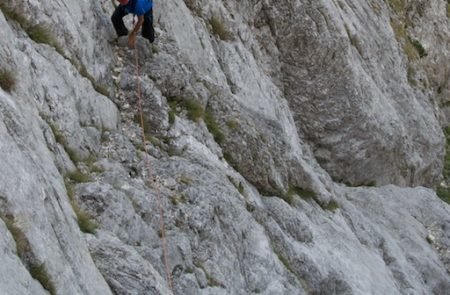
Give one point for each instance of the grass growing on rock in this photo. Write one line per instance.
(42, 33)
(214, 128)
(218, 28)
(7, 80)
(398, 6)
(194, 109)
(22, 245)
(84, 221)
(419, 48)
(195, 112)
(301, 192)
(39, 33)
(443, 190)
(39, 272)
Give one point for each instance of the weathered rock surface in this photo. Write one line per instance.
(252, 111)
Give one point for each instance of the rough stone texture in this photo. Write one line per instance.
(32, 192)
(344, 75)
(303, 93)
(16, 279)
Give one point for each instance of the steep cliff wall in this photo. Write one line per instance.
(259, 118)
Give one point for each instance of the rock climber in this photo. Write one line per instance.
(143, 9)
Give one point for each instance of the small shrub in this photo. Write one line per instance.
(214, 128)
(218, 28)
(7, 80)
(40, 274)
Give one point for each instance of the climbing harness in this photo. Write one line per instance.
(150, 177)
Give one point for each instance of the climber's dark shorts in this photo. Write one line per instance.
(147, 28)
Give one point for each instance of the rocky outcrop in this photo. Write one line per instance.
(252, 113)
(346, 79)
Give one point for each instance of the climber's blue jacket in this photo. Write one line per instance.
(138, 7)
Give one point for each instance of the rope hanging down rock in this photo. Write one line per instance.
(150, 176)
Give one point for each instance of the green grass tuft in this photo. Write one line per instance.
(219, 29)
(233, 124)
(22, 245)
(443, 192)
(38, 33)
(419, 48)
(301, 192)
(40, 273)
(84, 221)
(194, 109)
(59, 137)
(78, 177)
(214, 128)
(101, 89)
(41, 34)
(7, 80)
(399, 6)
(331, 206)
(12, 15)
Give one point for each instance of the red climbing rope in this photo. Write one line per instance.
(150, 177)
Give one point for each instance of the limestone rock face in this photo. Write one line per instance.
(229, 156)
(350, 89)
